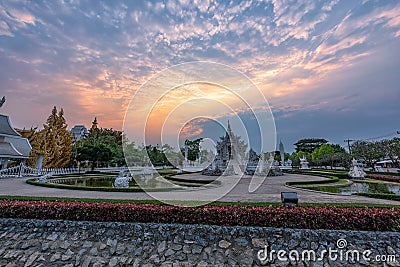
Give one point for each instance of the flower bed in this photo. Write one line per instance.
(384, 178)
(370, 219)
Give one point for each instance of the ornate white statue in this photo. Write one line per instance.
(43, 178)
(122, 181)
(355, 171)
(304, 164)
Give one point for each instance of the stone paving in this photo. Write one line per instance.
(269, 191)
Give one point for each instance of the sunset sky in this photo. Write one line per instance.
(328, 69)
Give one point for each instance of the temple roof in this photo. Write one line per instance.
(5, 127)
(7, 150)
(21, 145)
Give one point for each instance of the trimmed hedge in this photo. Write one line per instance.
(386, 178)
(103, 189)
(384, 173)
(381, 196)
(369, 219)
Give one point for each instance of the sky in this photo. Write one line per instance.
(328, 69)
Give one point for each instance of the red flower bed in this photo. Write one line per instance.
(371, 219)
(384, 177)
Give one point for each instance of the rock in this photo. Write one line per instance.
(169, 252)
(52, 237)
(224, 244)
(67, 255)
(55, 257)
(161, 247)
(113, 262)
(197, 249)
(259, 242)
(120, 249)
(86, 262)
(31, 259)
(241, 242)
(94, 251)
(176, 246)
(45, 246)
(65, 245)
(87, 244)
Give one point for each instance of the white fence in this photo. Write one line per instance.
(25, 171)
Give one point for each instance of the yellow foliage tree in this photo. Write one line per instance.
(55, 141)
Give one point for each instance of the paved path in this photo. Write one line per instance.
(269, 191)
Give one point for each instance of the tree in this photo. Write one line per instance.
(94, 152)
(193, 148)
(390, 149)
(368, 151)
(33, 137)
(324, 154)
(55, 141)
(108, 143)
(309, 144)
(294, 157)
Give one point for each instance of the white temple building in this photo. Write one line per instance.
(12, 144)
(79, 132)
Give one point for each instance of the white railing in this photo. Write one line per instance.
(25, 171)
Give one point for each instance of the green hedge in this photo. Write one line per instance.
(381, 196)
(169, 177)
(103, 189)
(384, 173)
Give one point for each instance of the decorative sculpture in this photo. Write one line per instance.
(2, 101)
(43, 178)
(304, 164)
(355, 171)
(122, 181)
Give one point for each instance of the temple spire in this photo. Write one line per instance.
(229, 130)
(94, 123)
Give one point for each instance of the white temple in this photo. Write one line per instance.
(12, 144)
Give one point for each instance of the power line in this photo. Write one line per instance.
(371, 138)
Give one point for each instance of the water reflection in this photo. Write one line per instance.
(362, 187)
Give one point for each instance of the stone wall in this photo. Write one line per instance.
(66, 243)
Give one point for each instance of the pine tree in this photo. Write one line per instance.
(55, 141)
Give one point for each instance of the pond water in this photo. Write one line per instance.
(361, 187)
(145, 181)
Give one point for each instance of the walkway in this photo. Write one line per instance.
(269, 191)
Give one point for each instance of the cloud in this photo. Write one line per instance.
(94, 56)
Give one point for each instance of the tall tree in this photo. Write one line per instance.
(101, 147)
(193, 148)
(55, 141)
(309, 144)
(369, 151)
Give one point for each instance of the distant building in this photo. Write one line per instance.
(79, 132)
(12, 144)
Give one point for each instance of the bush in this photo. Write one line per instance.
(381, 196)
(369, 219)
(384, 178)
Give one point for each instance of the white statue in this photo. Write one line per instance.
(43, 178)
(304, 164)
(122, 181)
(355, 171)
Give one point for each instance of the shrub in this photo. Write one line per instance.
(384, 178)
(370, 219)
